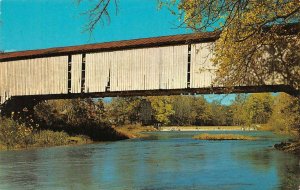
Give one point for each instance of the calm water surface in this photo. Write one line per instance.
(167, 160)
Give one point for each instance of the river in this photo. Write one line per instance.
(165, 160)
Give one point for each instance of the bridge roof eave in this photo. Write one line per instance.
(113, 46)
(281, 29)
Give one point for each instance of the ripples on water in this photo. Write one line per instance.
(165, 160)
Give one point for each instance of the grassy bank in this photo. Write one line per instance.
(15, 135)
(206, 136)
(44, 138)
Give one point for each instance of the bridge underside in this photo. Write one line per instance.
(188, 91)
(23, 106)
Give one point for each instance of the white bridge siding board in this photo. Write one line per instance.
(180, 60)
(38, 76)
(76, 70)
(113, 73)
(149, 68)
(60, 78)
(3, 81)
(202, 68)
(97, 71)
(137, 69)
(155, 77)
(173, 67)
(164, 64)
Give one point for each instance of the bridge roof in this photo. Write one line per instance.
(284, 29)
(115, 45)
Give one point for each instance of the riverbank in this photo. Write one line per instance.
(49, 138)
(206, 128)
(44, 138)
(134, 131)
(292, 146)
(17, 136)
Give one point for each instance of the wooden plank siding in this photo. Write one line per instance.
(202, 68)
(148, 69)
(137, 69)
(76, 73)
(39, 76)
(97, 71)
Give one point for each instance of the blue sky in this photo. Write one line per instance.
(37, 24)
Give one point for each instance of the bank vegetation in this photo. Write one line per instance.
(78, 121)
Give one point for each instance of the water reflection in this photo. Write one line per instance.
(288, 172)
(22, 171)
(260, 160)
(171, 161)
(284, 166)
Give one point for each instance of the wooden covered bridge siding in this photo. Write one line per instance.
(33, 77)
(153, 68)
(150, 66)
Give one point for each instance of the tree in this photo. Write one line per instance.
(239, 114)
(73, 112)
(124, 110)
(259, 108)
(98, 13)
(218, 112)
(183, 113)
(162, 107)
(202, 110)
(285, 115)
(253, 47)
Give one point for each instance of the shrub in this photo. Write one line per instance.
(13, 134)
(47, 137)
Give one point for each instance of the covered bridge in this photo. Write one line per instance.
(150, 66)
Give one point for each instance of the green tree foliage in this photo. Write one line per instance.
(183, 112)
(285, 116)
(202, 111)
(252, 109)
(259, 107)
(192, 110)
(14, 134)
(218, 113)
(77, 117)
(162, 107)
(239, 115)
(75, 112)
(124, 110)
